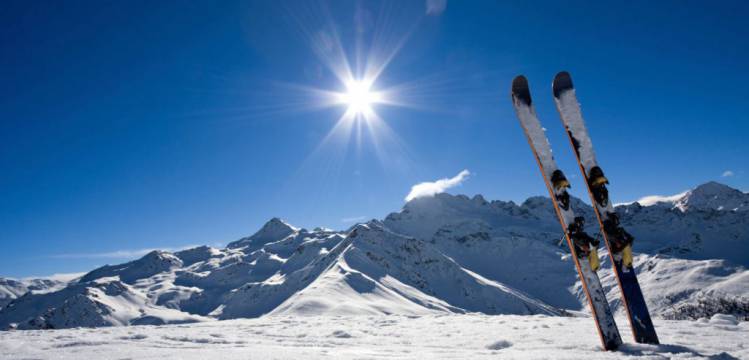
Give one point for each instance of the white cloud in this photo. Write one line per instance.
(436, 7)
(655, 199)
(436, 187)
(117, 254)
(727, 173)
(58, 277)
(354, 219)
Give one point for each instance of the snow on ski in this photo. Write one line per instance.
(557, 184)
(617, 240)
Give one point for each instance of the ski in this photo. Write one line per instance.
(617, 240)
(582, 247)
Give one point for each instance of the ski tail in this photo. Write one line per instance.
(643, 329)
(557, 184)
(616, 239)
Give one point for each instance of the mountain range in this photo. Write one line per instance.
(444, 253)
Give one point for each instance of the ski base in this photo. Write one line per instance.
(643, 329)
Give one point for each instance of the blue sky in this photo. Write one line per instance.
(133, 125)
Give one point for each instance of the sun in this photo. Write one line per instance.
(359, 97)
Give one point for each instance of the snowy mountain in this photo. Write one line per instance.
(439, 254)
(11, 289)
(273, 230)
(708, 222)
(708, 196)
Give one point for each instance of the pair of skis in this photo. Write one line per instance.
(582, 246)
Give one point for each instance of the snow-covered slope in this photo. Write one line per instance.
(411, 275)
(440, 254)
(508, 243)
(686, 289)
(102, 302)
(708, 222)
(11, 289)
(709, 196)
(149, 265)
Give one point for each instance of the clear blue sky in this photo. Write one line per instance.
(128, 125)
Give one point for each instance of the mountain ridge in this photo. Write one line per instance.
(444, 253)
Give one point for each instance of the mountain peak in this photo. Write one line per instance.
(150, 264)
(714, 188)
(711, 195)
(273, 230)
(278, 224)
(714, 196)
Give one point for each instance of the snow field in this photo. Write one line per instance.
(467, 336)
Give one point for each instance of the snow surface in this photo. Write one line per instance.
(436, 336)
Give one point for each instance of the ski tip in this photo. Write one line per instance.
(520, 90)
(562, 82)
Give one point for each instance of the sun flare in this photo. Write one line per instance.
(359, 97)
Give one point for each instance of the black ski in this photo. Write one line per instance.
(617, 240)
